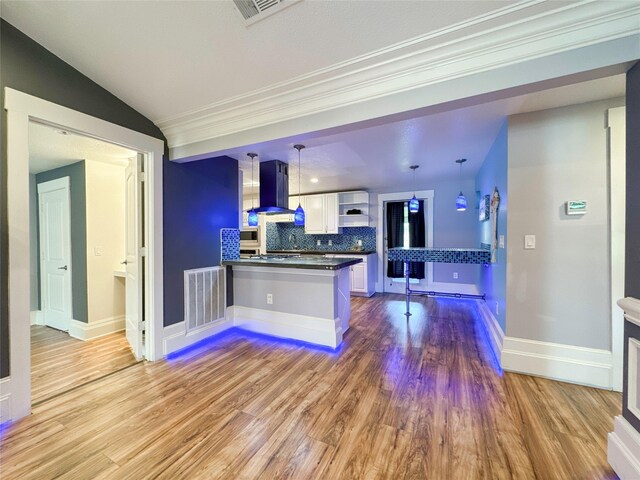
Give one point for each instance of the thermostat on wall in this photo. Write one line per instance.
(576, 207)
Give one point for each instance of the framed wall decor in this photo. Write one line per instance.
(485, 203)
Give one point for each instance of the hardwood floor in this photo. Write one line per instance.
(423, 400)
(60, 362)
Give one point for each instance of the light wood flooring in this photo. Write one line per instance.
(422, 400)
(60, 362)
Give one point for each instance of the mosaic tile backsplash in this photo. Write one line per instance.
(440, 255)
(278, 238)
(229, 244)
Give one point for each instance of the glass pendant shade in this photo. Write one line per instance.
(414, 205)
(461, 203)
(252, 218)
(298, 216)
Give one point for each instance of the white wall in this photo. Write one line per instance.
(559, 292)
(105, 230)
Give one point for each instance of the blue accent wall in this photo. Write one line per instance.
(200, 198)
(492, 280)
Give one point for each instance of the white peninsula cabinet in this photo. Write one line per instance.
(321, 213)
(362, 276)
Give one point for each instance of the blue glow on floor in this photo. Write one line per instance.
(214, 340)
(4, 427)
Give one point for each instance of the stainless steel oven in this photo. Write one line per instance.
(250, 237)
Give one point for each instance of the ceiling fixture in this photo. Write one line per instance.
(314, 180)
(461, 201)
(252, 217)
(298, 216)
(414, 205)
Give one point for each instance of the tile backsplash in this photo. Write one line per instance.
(229, 243)
(278, 238)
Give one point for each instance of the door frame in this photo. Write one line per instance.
(389, 197)
(21, 109)
(52, 185)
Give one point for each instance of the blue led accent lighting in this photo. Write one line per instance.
(298, 216)
(252, 218)
(414, 205)
(207, 345)
(461, 203)
(4, 427)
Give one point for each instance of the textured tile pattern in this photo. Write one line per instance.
(278, 238)
(440, 255)
(229, 244)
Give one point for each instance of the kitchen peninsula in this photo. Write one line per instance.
(301, 298)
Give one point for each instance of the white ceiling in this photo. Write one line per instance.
(378, 158)
(167, 58)
(51, 148)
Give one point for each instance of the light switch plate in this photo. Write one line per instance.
(529, 242)
(98, 251)
(501, 241)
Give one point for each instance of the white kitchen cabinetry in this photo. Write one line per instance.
(362, 275)
(358, 200)
(321, 213)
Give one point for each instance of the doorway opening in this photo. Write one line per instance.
(86, 248)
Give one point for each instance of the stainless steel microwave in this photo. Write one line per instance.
(250, 237)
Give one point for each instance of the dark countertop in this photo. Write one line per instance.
(315, 263)
(323, 252)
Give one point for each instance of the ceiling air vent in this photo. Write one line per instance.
(255, 10)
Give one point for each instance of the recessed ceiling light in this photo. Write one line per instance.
(314, 180)
(62, 132)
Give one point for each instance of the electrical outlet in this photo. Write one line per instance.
(497, 308)
(455, 275)
(330, 242)
(97, 251)
(269, 299)
(529, 242)
(318, 242)
(359, 243)
(501, 241)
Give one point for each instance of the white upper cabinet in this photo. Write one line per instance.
(321, 213)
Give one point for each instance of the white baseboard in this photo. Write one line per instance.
(5, 400)
(566, 363)
(623, 450)
(446, 287)
(317, 330)
(175, 336)
(492, 327)
(37, 318)
(88, 331)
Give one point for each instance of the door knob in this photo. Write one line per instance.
(63, 268)
(124, 263)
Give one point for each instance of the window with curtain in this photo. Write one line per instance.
(405, 229)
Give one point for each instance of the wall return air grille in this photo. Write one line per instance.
(255, 10)
(204, 297)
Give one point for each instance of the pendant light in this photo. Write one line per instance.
(461, 201)
(252, 217)
(414, 204)
(298, 216)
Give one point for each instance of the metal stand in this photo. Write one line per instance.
(430, 293)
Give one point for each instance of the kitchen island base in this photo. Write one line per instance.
(309, 305)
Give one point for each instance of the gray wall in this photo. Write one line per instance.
(78, 200)
(450, 227)
(559, 292)
(492, 280)
(30, 68)
(632, 245)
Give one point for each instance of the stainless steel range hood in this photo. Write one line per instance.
(274, 188)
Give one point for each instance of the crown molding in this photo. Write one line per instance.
(504, 38)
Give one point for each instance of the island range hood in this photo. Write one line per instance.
(274, 188)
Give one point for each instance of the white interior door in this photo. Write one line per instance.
(55, 253)
(133, 263)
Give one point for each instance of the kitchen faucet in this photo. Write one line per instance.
(292, 237)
